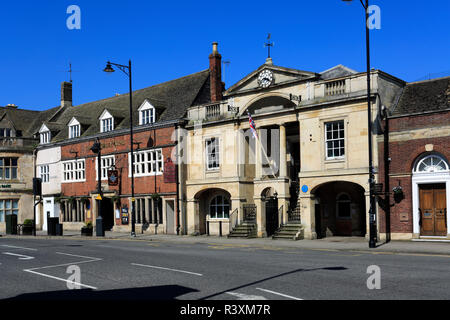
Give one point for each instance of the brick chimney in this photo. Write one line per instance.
(215, 70)
(66, 94)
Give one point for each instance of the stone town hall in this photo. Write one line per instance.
(199, 168)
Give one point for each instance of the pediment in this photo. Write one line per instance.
(281, 76)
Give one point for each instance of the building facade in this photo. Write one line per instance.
(415, 157)
(17, 161)
(69, 168)
(305, 167)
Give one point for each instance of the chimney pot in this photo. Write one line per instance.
(215, 72)
(66, 94)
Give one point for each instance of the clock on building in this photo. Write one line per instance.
(265, 78)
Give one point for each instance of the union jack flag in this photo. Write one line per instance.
(252, 125)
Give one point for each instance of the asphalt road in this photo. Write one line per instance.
(39, 269)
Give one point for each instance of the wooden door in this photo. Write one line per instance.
(433, 210)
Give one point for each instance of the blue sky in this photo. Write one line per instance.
(170, 39)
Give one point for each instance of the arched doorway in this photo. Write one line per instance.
(270, 198)
(431, 184)
(214, 208)
(340, 209)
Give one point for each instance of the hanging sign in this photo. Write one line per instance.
(113, 177)
(169, 171)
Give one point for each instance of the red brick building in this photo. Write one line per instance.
(415, 167)
(158, 111)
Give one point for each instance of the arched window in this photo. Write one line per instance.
(219, 208)
(430, 164)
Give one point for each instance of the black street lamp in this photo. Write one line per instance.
(372, 210)
(127, 71)
(99, 227)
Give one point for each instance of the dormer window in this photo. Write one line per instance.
(74, 129)
(106, 122)
(107, 125)
(45, 134)
(45, 137)
(5, 132)
(147, 113)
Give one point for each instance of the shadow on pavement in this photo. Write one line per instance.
(273, 277)
(169, 292)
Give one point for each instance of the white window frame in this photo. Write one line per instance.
(44, 173)
(147, 107)
(11, 210)
(209, 155)
(74, 171)
(222, 205)
(431, 168)
(145, 163)
(339, 139)
(45, 137)
(74, 128)
(106, 121)
(107, 162)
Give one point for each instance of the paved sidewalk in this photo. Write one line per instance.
(327, 244)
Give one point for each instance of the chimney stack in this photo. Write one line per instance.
(215, 71)
(66, 94)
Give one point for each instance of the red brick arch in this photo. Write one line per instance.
(419, 152)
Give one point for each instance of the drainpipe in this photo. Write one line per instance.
(177, 179)
(387, 162)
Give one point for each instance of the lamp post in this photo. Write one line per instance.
(127, 71)
(372, 210)
(97, 149)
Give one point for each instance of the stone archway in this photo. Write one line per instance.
(340, 209)
(269, 197)
(213, 210)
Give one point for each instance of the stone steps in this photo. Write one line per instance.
(291, 231)
(245, 230)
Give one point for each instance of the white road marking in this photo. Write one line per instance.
(242, 296)
(169, 269)
(22, 257)
(279, 294)
(61, 279)
(91, 259)
(14, 247)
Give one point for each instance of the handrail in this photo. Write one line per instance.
(231, 224)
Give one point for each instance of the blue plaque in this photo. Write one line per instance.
(305, 188)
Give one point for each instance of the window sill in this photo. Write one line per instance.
(335, 160)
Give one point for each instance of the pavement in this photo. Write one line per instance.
(358, 244)
(162, 267)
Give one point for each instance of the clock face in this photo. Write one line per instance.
(265, 78)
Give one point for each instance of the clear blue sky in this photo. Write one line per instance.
(170, 39)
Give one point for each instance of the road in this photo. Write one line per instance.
(37, 269)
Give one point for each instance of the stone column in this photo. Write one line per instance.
(283, 165)
(258, 156)
(239, 152)
(192, 216)
(260, 217)
(308, 216)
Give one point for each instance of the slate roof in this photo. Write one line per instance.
(171, 100)
(26, 121)
(424, 96)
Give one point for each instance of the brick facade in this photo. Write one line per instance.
(405, 148)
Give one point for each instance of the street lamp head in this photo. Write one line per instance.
(109, 68)
(96, 147)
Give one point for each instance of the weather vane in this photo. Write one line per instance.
(268, 44)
